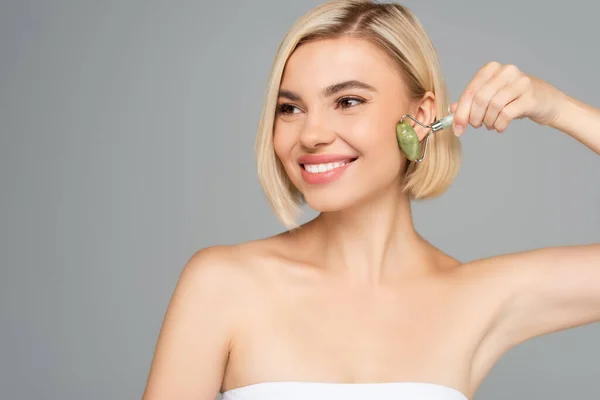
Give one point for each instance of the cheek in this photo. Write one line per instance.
(283, 145)
(382, 157)
(375, 139)
(385, 155)
(280, 144)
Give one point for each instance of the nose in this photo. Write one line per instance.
(316, 133)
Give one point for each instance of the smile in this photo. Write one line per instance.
(320, 168)
(323, 173)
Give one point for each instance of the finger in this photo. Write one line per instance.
(453, 107)
(481, 101)
(461, 115)
(503, 97)
(512, 110)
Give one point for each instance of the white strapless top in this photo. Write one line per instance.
(343, 391)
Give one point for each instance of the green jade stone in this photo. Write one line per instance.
(408, 140)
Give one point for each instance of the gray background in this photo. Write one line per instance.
(127, 132)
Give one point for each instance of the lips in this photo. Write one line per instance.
(318, 169)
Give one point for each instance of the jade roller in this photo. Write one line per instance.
(409, 141)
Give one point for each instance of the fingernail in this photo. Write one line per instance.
(458, 130)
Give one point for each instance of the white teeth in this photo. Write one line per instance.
(317, 168)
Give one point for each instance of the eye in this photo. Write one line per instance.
(285, 108)
(349, 102)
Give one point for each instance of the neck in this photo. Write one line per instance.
(370, 242)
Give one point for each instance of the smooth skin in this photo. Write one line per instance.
(357, 295)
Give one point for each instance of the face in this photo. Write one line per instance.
(340, 100)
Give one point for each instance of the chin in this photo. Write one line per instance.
(326, 203)
(333, 200)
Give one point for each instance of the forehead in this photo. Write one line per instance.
(323, 62)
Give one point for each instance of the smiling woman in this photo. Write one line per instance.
(355, 304)
(348, 94)
(366, 64)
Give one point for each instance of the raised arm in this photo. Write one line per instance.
(194, 340)
(541, 291)
(545, 290)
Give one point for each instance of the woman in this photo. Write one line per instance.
(355, 304)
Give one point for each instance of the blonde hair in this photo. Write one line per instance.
(393, 28)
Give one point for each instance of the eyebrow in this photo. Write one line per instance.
(331, 89)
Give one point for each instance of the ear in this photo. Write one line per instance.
(425, 112)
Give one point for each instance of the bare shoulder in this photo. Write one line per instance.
(525, 294)
(214, 267)
(226, 266)
(212, 274)
(546, 279)
(524, 273)
(226, 274)
(201, 323)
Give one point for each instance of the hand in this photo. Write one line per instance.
(500, 93)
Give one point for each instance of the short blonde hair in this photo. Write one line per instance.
(393, 28)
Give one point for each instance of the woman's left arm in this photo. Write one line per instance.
(544, 290)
